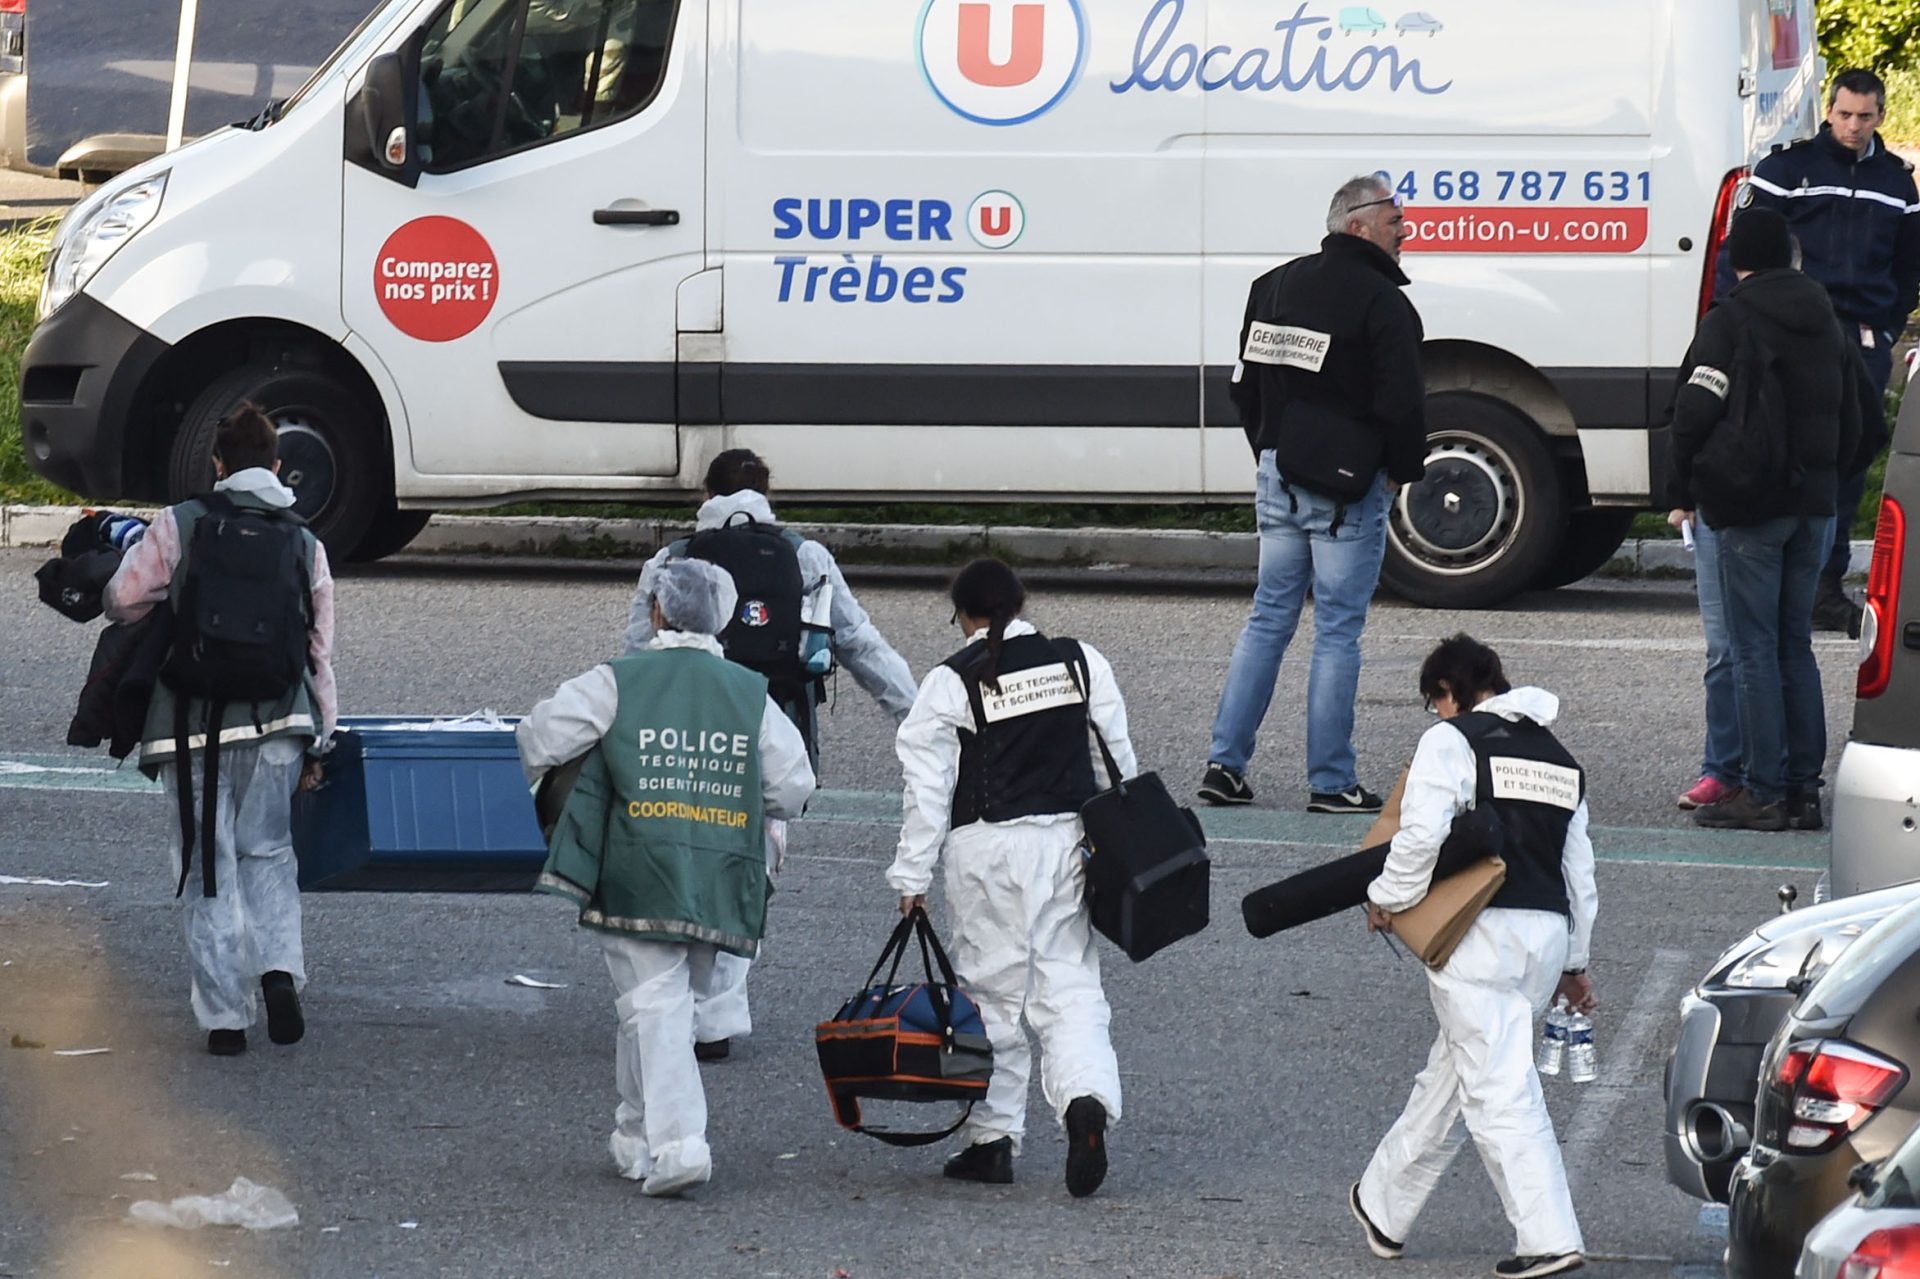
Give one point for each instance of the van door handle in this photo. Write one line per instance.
(1910, 635)
(636, 217)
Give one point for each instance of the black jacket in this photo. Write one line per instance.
(114, 700)
(1349, 292)
(1820, 381)
(1858, 222)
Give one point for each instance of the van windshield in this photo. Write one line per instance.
(371, 29)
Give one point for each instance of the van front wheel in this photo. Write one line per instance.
(327, 447)
(1488, 518)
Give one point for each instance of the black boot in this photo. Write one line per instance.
(1086, 1146)
(226, 1043)
(712, 1049)
(285, 1022)
(1834, 610)
(990, 1162)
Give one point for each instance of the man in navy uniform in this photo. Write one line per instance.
(1853, 207)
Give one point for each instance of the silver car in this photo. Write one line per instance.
(1876, 824)
(1877, 1229)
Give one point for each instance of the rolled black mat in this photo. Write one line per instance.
(1340, 884)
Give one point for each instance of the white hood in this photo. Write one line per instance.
(259, 482)
(716, 511)
(1536, 704)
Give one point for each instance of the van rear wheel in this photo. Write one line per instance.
(328, 453)
(1593, 537)
(389, 534)
(1489, 516)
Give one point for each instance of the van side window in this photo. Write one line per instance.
(500, 75)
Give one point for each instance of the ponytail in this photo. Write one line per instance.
(989, 588)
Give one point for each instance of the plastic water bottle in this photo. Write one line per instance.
(121, 531)
(1581, 1065)
(1553, 1040)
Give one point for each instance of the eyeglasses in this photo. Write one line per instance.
(1433, 703)
(1394, 200)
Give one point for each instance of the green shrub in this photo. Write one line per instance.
(22, 260)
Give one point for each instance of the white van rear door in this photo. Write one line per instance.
(1779, 75)
(522, 296)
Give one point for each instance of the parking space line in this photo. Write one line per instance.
(1621, 1070)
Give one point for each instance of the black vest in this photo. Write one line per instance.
(1027, 754)
(1534, 786)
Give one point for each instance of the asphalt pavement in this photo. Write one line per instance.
(439, 1122)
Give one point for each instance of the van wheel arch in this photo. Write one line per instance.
(346, 424)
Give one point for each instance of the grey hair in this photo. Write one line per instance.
(1354, 194)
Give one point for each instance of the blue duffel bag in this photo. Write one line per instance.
(920, 1042)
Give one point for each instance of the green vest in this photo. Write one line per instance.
(664, 836)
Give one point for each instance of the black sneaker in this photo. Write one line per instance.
(1222, 785)
(712, 1049)
(1545, 1264)
(226, 1043)
(1086, 1146)
(285, 1024)
(1357, 800)
(1741, 811)
(1803, 812)
(990, 1162)
(1382, 1247)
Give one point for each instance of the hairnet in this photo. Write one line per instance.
(695, 596)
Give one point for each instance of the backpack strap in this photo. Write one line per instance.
(1082, 676)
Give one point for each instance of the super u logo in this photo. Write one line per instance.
(1001, 61)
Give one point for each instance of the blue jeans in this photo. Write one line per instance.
(1767, 577)
(1879, 360)
(1298, 550)
(1720, 759)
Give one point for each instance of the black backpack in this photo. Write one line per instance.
(765, 632)
(1747, 462)
(242, 621)
(244, 610)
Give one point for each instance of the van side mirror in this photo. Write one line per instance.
(382, 118)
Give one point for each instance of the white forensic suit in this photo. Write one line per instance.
(1500, 979)
(858, 645)
(1019, 933)
(659, 1136)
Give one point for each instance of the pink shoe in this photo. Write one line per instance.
(1706, 792)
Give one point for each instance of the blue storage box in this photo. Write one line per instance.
(407, 809)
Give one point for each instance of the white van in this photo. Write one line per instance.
(953, 250)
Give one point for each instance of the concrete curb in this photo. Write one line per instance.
(43, 526)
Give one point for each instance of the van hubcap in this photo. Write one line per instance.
(307, 464)
(1465, 513)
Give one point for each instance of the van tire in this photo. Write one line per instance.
(1488, 518)
(390, 533)
(327, 440)
(1593, 537)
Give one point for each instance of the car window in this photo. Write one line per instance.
(1895, 1181)
(1864, 965)
(497, 76)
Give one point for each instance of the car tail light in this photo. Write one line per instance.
(1883, 599)
(1717, 234)
(1833, 1087)
(13, 6)
(1886, 1254)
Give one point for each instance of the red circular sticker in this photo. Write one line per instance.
(436, 279)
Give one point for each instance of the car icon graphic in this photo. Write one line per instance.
(1418, 22)
(1357, 18)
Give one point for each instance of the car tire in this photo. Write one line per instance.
(389, 534)
(328, 447)
(1592, 538)
(1489, 516)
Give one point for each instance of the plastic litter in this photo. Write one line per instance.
(138, 1176)
(481, 721)
(534, 983)
(409, 1225)
(80, 1052)
(243, 1204)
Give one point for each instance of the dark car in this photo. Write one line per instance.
(1836, 1088)
(1727, 1020)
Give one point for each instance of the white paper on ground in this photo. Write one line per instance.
(37, 881)
(534, 983)
(80, 1052)
(243, 1204)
